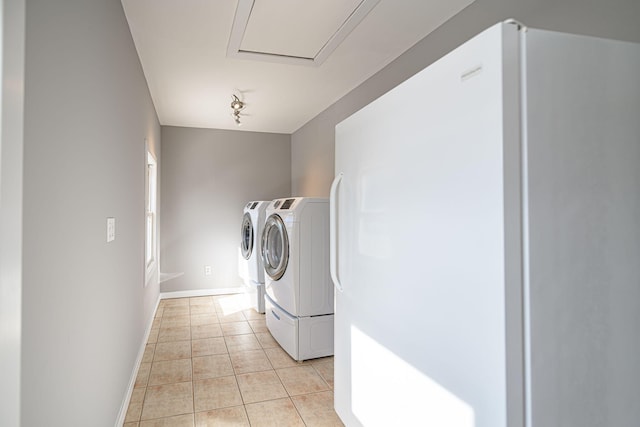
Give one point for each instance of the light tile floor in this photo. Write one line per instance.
(211, 361)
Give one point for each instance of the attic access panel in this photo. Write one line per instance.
(294, 31)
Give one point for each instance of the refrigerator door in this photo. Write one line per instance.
(584, 226)
(419, 248)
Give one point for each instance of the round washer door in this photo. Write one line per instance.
(246, 236)
(275, 247)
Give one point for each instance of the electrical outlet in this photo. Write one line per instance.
(207, 270)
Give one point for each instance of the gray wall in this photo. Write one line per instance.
(85, 307)
(11, 147)
(207, 177)
(312, 146)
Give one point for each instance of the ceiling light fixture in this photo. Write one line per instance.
(236, 107)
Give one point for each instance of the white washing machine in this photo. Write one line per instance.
(253, 272)
(299, 292)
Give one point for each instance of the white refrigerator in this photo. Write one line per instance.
(485, 239)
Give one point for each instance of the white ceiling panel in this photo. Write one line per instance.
(293, 27)
(183, 48)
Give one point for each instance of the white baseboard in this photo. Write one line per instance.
(132, 381)
(202, 292)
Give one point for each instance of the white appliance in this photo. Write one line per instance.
(299, 292)
(486, 239)
(250, 233)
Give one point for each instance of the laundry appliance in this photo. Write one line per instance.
(299, 292)
(486, 236)
(250, 232)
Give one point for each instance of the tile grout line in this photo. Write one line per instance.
(235, 375)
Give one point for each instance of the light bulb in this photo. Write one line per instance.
(236, 104)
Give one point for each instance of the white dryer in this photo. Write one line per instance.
(252, 222)
(299, 292)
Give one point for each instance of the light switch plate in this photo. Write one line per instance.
(111, 229)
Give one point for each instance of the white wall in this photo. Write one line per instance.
(207, 177)
(11, 146)
(85, 307)
(312, 146)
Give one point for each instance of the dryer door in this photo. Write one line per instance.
(275, 247)
(246, 236)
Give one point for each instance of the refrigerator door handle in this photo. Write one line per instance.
(333, 231)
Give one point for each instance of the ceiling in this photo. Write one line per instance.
(287, 60)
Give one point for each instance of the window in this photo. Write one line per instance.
(151, 242)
